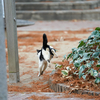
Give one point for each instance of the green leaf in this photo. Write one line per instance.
(91, 71)
(71, 62)
(90, 38)
(64, 72)
(97, 28)
(88, 65)
(68, 68)
(75, 56)
(64, 56)
(74, 50)
(98, 49)
(81, 53)
(84, 77)
(69, 56)
(97, 41)
(95, 32)
(80, 75)
(81, 43)
(99, 61)
(95, 73)
(86, 56)
(77, 64)
(58, 66)
(91, 43)
(82, 68)
(98, 65)
(92, 62)
(96, 55)
(97, 80)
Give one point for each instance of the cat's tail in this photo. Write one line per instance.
(45, 41)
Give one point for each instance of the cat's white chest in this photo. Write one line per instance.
(46, 54)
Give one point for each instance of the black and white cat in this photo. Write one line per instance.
(45, 55)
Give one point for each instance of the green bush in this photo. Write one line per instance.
(86, 57)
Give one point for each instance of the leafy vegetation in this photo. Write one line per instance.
(86, 57)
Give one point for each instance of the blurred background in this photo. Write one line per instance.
(58, 9)
(56, 14)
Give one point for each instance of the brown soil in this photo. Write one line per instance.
(35, 86)
(36, 36)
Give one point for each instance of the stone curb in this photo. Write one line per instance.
(59, 15)
(60, 87)
(47, 0)
(81, 5)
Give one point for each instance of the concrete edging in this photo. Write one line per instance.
(60, 87)
(57, 5)
(60, 15)
(46, 0)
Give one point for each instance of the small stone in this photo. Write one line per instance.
(90, 30)
(77, 86)
(71, 85)
(65, 32)
(61, 39)
(39, 90)
(82, 82)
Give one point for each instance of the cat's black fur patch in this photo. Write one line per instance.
(41, 56)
